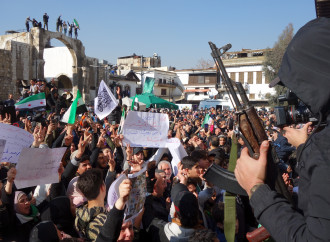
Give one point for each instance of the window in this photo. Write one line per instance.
(127, 91)
(241, 77)
(163, 92)
(250, 77)
(196, 93)
(205, 93)
(252, 96)
(266, 80)
(232, 76)
(259, 77)
(200, 79)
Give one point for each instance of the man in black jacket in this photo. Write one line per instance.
(305, 70)
(45, 19)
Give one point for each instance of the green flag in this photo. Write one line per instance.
(76, 23)
(148, 85)
(133, 103)
(78, 106)
(207, 120)
(34, 101)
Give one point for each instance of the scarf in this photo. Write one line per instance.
(27, 218)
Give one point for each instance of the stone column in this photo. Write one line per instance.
(85, 87)
(40, 68)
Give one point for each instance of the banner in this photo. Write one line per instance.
(16, 140)
(38, 166)
(148, 85)
(105, 102)
(144, 129)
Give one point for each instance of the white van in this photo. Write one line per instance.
(215, 103)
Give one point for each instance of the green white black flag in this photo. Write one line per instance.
(78, 106)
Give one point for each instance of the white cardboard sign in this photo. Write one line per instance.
(38, 166)
(145, 129)
(16, 139)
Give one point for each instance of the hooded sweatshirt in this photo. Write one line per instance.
(305, 70)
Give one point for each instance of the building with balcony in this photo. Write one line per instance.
(167, 83)
(244, 66)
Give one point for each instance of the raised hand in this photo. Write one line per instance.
(82, 145)
(297, 137)
(28, 125)
(182, 174)
(111, 162)
(124, 190)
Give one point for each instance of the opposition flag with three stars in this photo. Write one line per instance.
(77, 107)
(34, 101)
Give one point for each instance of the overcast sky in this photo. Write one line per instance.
(177, 30)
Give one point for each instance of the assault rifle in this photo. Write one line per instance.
(252, 132)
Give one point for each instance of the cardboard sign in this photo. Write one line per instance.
(38, 166)
(16, 139)
(144, 129)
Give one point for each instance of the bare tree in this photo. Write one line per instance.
(204, 64)
(273, 60)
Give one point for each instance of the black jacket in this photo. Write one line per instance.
(306, 71)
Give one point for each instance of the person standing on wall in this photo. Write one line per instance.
(27, 24)
(45, 19)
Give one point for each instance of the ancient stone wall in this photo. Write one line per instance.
(6, 84)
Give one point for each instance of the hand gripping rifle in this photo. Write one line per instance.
(252, 132)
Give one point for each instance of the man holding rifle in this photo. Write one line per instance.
(305, 70)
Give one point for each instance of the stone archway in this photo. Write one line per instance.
(76, 48)
(25, 53)
(64, 82)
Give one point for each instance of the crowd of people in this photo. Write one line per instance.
(62, 26)
(181, 207)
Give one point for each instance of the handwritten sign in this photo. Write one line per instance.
(144, 129)
(38, 166)
(177, 151)
(16, 139)
(137, 195)
(113, 193)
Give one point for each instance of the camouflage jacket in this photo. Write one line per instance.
(89, 221)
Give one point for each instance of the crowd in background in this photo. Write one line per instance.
(184, 207)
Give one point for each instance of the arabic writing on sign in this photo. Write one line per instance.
(16, 139)
(143, 129)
